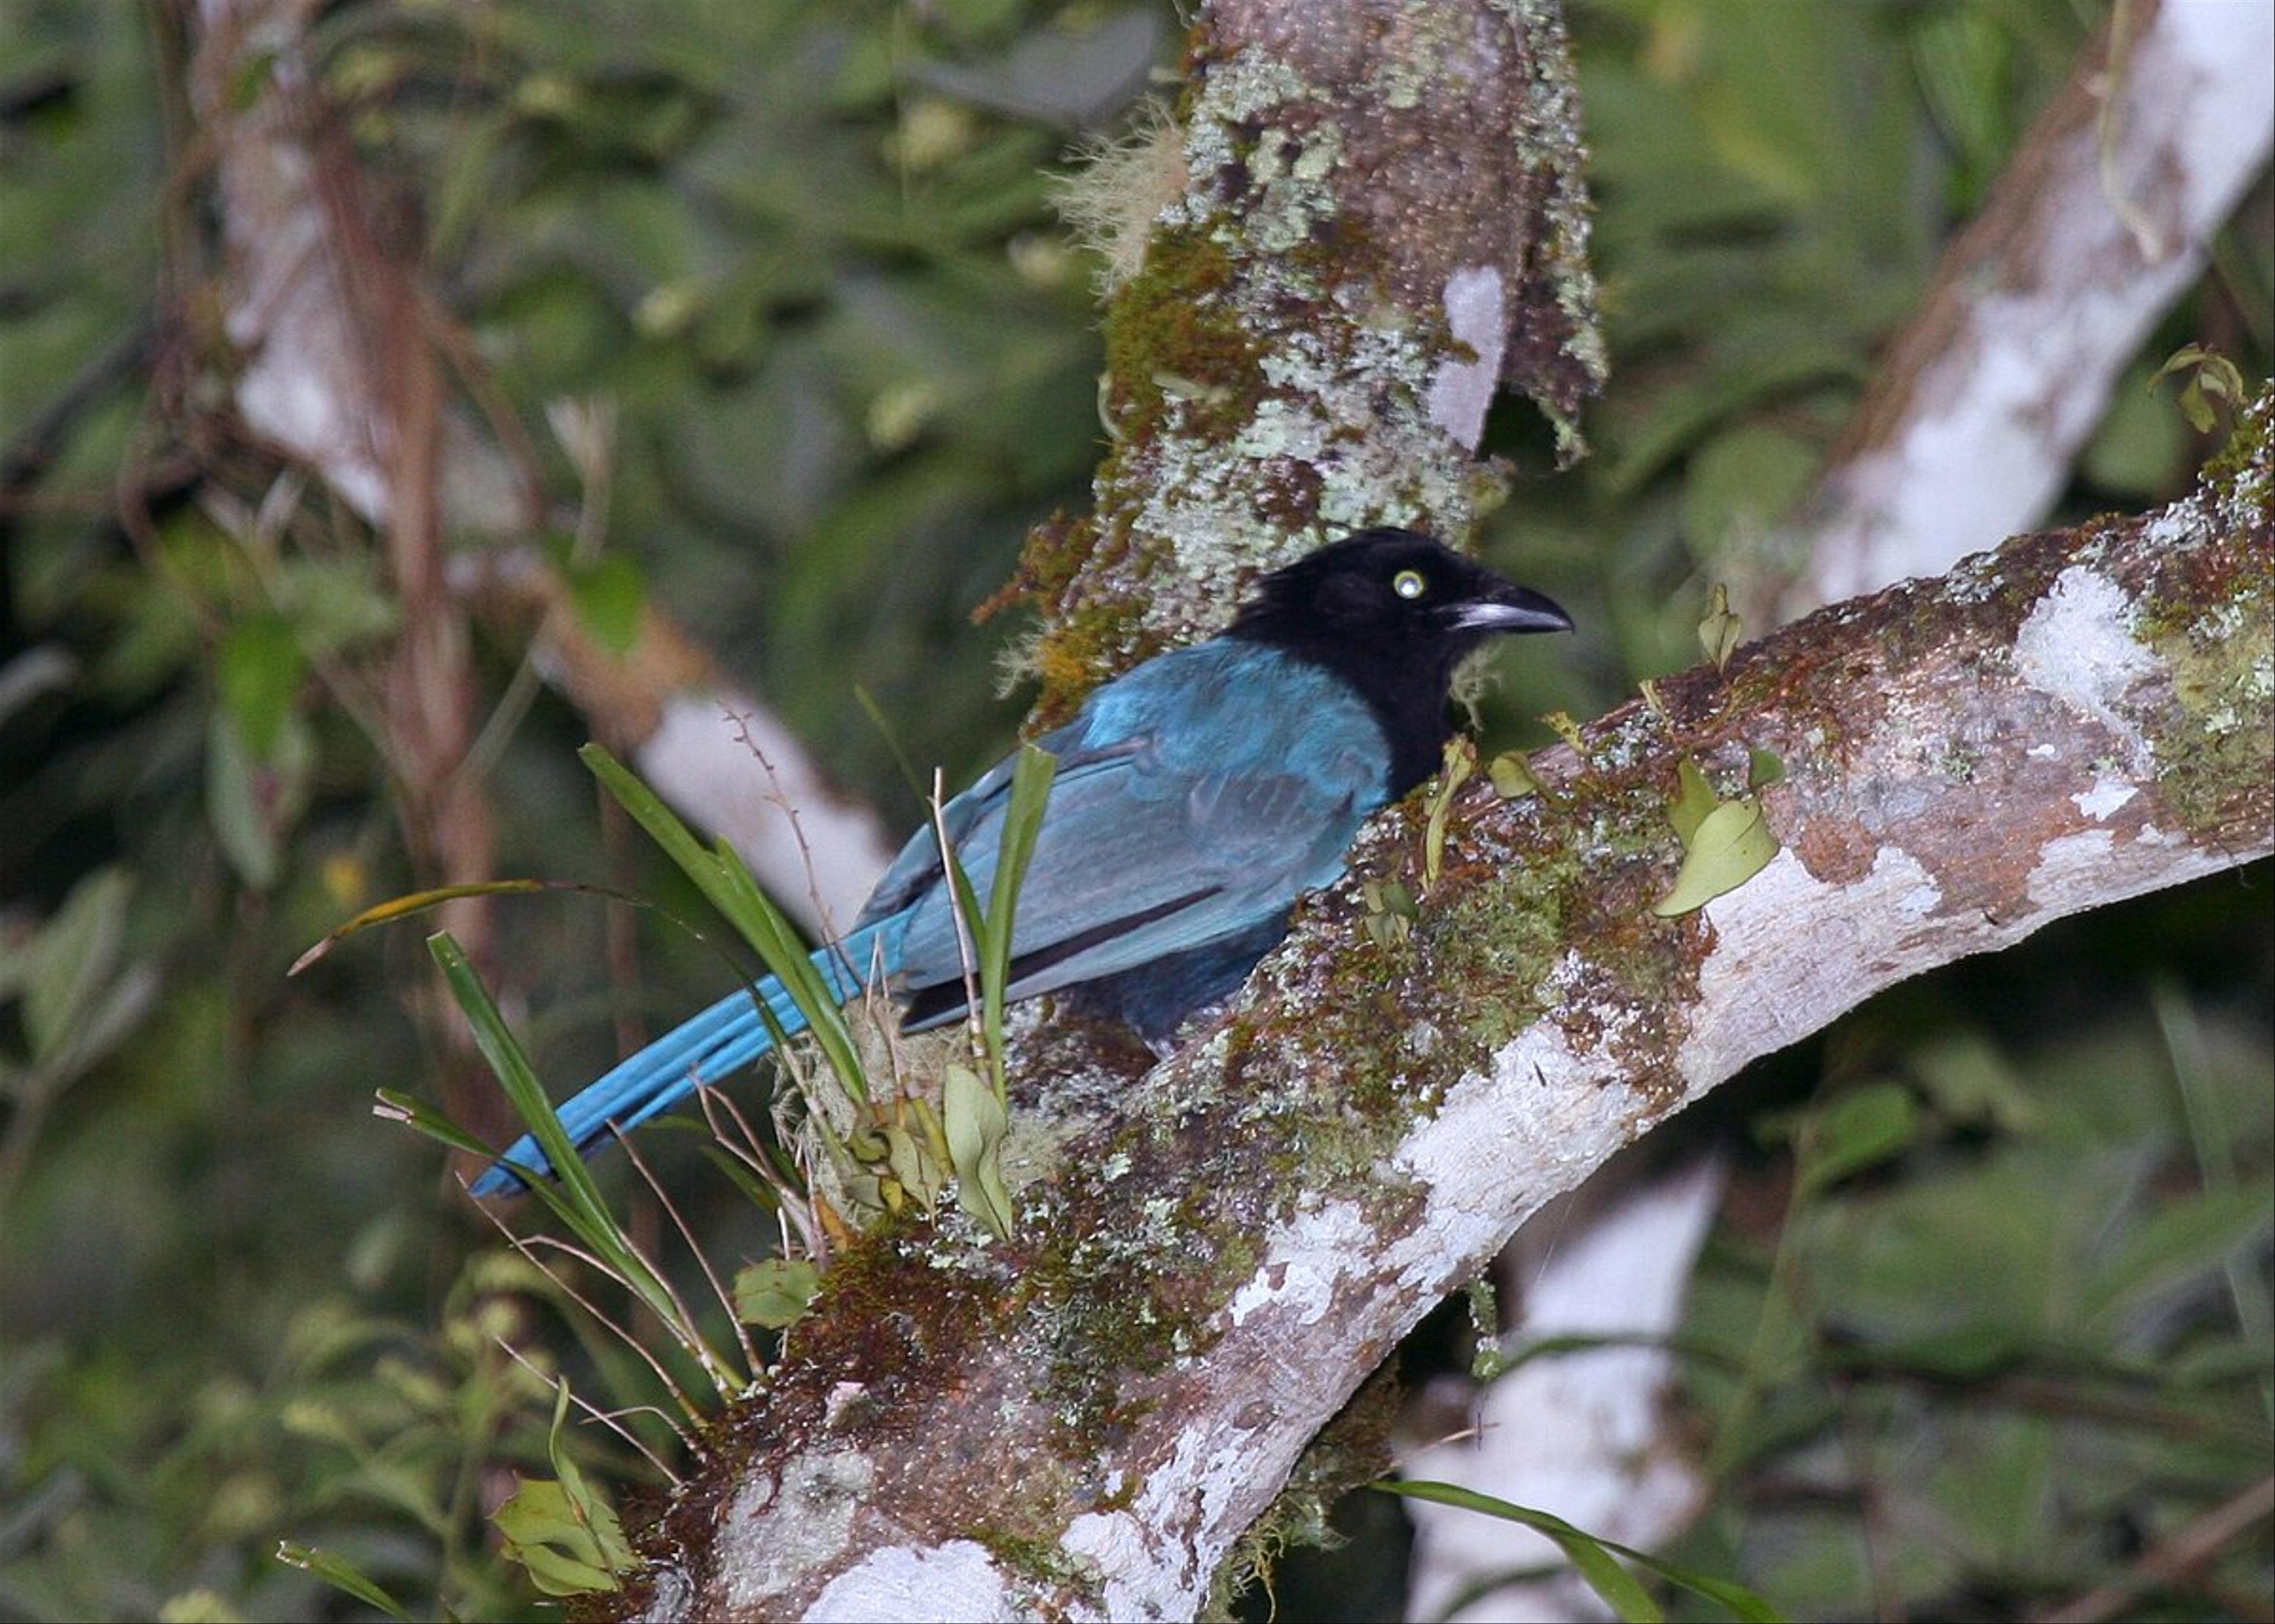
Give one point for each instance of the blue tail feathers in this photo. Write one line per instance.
(698, 1052)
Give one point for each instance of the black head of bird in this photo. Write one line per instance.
(1392, 612)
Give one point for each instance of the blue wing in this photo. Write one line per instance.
(698, 1051)
(1195, 800)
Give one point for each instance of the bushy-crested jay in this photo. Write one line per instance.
(1195, 799)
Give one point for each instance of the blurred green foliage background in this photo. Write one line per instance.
(1988, 1313)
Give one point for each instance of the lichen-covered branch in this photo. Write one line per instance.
(1212, 1255)
(1381, 219)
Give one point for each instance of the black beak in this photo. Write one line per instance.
(1512, 608)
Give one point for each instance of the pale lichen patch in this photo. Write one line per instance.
(820, 1494)
(1115, 1543)
(2106, 795)
(2078, 644)
(1463, 387)
(958, 1580)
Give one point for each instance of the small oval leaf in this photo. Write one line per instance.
(975, 1122)
(1731, 847)
(776, 1292)
(1694, 801)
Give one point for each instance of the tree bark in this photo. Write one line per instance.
(2103, 217)
(338, 371)
(1380, 220)
(1213, 1255)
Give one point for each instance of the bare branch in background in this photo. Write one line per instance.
(344, 370)
(340, 371)
(1580, 1433)
(2103, 217)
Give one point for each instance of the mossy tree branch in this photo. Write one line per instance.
(1214, 1254)
(1375, 217)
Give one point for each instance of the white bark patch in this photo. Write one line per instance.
(1307, 1257)
(2078, 646)
(810, 1517)
(1824, 948)
(1544, 1105)
(1477, 315)
(1156, 1558)
(2092, 867)
(958, 1580)
(820, 866)
(2059, 859)
(2107, 795)
(1117, 1544)
(2224, 55)
(1151, 1555)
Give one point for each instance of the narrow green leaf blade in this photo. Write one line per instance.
(341, 1574)
(413, 1112)
(768, 930)
(510, 1066)
(574, 1199)
(1590, 1555)
(418, 901)
(587, 1504)
(719, 873)
(1023, 823)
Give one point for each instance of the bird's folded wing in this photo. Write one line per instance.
(1137, 861)
(916, 869)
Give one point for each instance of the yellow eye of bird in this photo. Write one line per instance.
(1408, 584)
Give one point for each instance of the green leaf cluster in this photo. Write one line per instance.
(2018, 1303)
(1724, 843)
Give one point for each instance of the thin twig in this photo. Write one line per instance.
(526, 1246)
(2172, 1560)
(702, 1262)
(783, 802)
(606, 1418)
